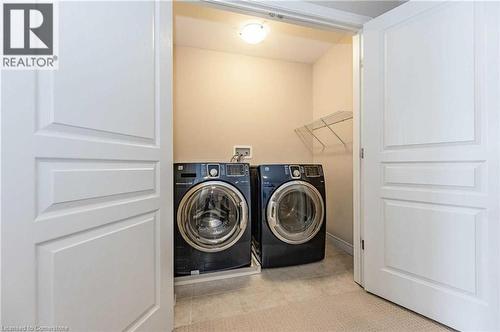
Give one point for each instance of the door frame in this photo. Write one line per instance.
(308, 14)
(357, 156)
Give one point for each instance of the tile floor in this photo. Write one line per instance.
(272, 289)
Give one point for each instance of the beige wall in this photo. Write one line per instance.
(225, 99)
(332, 91)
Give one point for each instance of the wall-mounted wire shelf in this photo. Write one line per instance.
(325, 122)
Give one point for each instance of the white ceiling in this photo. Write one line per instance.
(372, 8)
(209, 28)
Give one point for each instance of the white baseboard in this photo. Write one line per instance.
(339, 243)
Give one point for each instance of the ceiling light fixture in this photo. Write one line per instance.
(253, 33)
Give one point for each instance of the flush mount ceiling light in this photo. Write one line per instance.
(253, 33)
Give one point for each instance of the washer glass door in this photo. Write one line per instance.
(295, 212)
(212, 216)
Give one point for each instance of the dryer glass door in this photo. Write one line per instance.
(212, 216)
(295, 212)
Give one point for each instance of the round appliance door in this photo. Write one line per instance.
(295, 212)
(212, 216)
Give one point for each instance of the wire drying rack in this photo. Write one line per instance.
(324, 122)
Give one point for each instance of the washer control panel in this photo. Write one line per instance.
(295, 171)
(213, 170)
(313, 171)
(236, 169)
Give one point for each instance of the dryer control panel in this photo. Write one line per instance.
(299, 171)
(271, 174)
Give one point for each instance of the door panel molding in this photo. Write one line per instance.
(435, 175)
(421, 101)
(416, 231)
(59, 183)
(57, 272)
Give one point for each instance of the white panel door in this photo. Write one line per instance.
(431, 171)
(86, 162)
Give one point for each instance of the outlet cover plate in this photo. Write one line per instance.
(245, 150)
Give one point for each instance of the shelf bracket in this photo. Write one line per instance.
(326, 124)
(316, 137)
(304, 139)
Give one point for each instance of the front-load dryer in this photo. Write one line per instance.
(212, 217)
(289, 214)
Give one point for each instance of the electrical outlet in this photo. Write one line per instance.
(244, 150)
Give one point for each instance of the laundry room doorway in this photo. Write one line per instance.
(292, 98)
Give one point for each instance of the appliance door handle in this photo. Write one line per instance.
(273, 212)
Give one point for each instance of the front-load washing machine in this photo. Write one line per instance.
(212, 217)
(289, 214)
